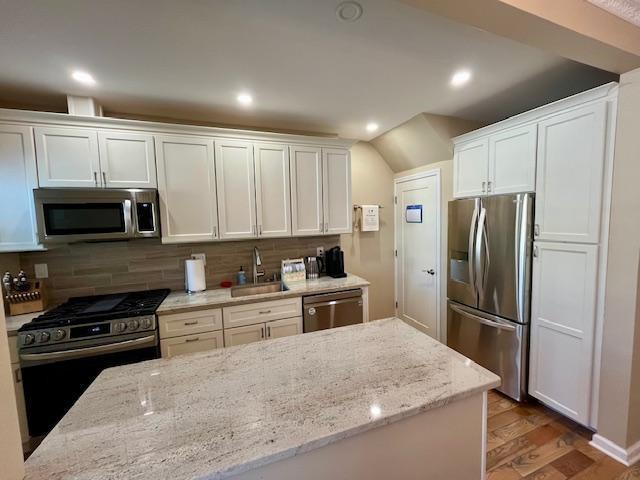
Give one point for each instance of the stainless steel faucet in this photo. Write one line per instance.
(257, 263)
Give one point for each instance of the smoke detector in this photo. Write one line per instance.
(349, 11)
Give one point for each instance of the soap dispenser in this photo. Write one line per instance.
(242, 277)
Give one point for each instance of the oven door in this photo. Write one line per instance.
(54, 379)
(79, 214)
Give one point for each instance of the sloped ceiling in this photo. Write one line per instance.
(628, 10)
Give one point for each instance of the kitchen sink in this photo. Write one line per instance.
(257, 289)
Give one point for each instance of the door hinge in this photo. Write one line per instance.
(396, 304)
(395, 200)
(396, 253)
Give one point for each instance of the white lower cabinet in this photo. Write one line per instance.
(200, 342)
(241, 335)
(284, 328)
(17, 387)
(562, 327)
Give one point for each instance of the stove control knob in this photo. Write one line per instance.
(59, 335)
(120, 327)
(146, 323)
(133, 325)
(28, 339)
(44, 337)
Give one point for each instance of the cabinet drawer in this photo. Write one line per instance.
(253, 313)
(200, 342)
(13, 349)
(189, 323)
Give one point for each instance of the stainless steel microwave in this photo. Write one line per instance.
(68, 215)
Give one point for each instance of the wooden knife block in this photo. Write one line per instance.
(32, 300)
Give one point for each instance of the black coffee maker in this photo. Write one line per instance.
(334, 260)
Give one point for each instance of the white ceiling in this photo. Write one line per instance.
(307, 71)
(628, 10)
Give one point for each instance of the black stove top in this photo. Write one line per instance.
(80, 310)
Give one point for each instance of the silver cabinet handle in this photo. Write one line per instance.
(95, 178)
(186, 324)
(535, 251)
(483, 186)
(215, 232)
(192, 339)
(264, 312)
(261, 332)
(488, 186)
(104, 179)
(536, 230)
(326, 228)
(259, 229)
(268, 331)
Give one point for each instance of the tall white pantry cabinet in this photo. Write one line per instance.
(564, 153)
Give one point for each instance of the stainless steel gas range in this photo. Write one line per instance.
(65, 349)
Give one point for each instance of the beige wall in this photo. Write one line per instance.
(619, 405)
(11, 464)
(446, 194)
(422, 140)
(370, 254)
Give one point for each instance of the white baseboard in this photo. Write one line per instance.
(626, 456)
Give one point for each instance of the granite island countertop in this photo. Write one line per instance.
(214, 414)
(178, 302)
(14, 322)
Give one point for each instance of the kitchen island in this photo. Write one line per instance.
(375, 400)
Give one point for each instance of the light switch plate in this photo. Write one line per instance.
(42, 270)
(200, 256)
(320, 251)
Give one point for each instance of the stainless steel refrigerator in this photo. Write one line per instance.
(489, 284)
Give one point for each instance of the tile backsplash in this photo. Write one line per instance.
(99, 268)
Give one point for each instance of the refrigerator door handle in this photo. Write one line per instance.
(484, 321)
(471, 260)
(521, 251)
(481, 240)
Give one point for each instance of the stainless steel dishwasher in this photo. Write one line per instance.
(330, 310)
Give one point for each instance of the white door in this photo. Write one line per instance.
(284, 328)
(306, 191)
(127, 159)
(235, 179)
(336, 190)
(470, 168)
(241, 335)
(273, 190)
(67, 157)
(18, 172)
(512, 160)
(571, 150)
(417, 252)
(562, 325)
(187, 189)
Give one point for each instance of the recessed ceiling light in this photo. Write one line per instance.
(460, 78)
(349, 11)
(245, 99)
(83, 77)
(372, 127)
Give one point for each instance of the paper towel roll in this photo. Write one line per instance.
(194, 280)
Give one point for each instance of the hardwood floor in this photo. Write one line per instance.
(531, 442)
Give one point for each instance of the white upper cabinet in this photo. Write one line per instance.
(563, 306)
(470, 168)
(273, 191)
(19, 178)
(187, 189)
(67, 157)
(336, 172)
(127, 160)
(512, 161)
(235, 178)
(306, 191)
(571, 157)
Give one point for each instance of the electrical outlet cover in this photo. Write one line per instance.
(320, 251)
(41, 270)
(200, 256)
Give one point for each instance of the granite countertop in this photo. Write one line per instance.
(183, 302)
(215, 414)
(14, 322)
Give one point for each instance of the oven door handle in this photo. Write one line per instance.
(87, 351)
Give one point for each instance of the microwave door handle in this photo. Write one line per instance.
(470, 258)
(128, 218)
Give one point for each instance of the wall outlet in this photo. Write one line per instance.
(41, 269)
(320, 251)
(200, 256)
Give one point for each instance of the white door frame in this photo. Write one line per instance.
(407, 178)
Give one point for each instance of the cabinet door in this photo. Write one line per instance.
(562, 325)
(18, 169)
(284, 328)
(22, 410)
(273, 191)
(242, 335)
(200, 342)
(336, 191)
(512, 161)
(128, 160)
(571, 151)
(236, 189)
(67, 157)
(187, 189)
(306, 191)
(470, 168)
